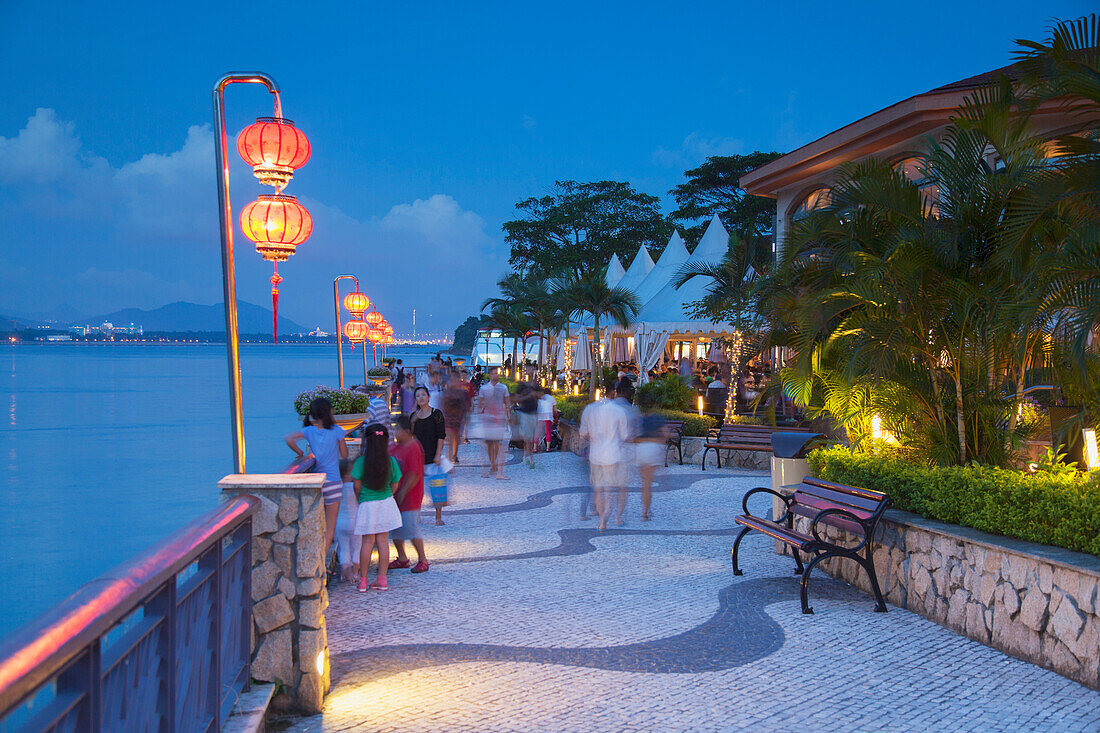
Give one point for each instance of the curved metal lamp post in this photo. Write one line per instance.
(340, 329)
(229, 285)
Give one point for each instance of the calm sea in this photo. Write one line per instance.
(107, 448)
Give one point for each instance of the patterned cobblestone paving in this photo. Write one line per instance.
(531, 620)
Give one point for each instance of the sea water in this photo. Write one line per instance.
(108, 447)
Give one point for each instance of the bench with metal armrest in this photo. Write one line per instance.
(849, 508)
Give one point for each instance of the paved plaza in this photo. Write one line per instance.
(532, 620)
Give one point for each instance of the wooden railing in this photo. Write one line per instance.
(160, 643)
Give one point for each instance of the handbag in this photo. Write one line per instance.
(438, 482)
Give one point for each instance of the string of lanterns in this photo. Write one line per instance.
(276, 223)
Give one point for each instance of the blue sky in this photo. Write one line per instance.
(429, 121)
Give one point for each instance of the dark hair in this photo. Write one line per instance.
(345, 466)
(376, 457)
(404, 423)
(321, 410)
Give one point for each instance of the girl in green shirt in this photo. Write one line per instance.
(376, 474)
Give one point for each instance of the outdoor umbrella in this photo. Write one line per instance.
(582, 352)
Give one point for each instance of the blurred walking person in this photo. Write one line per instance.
(492, 406)
(606, 427)
(456, 405)
(650, 448)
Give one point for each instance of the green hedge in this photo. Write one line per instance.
(571, 407)
(1044, 508)
(695, 425)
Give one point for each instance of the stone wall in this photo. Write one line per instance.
(289, 598)
(1034, 602)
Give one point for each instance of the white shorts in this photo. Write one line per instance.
(607, 477)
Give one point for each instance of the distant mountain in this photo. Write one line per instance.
(182, 316)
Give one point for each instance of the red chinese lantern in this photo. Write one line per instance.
(356, 303)
(277, 224)
(275, 148)
(356, 331)
(373, 318)
(374, 336)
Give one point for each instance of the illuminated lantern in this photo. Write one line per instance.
(356, 303)
(373, 318)
(277, 224)
(356, 331)
(375, 336)
(275, 148)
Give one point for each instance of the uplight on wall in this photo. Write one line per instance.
(1092, 455)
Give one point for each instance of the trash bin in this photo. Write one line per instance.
(789, 464)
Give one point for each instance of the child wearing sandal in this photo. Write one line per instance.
(376, 474)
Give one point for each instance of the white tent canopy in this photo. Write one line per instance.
(668, 263)
(668, 308)
(615, 271)
(638, 269)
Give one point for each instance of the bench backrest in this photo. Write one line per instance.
(815, 495)
(756, 430)
(675, 426)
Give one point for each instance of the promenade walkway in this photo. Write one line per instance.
(531, 620)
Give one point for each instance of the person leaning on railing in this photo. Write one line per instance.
(326, 441)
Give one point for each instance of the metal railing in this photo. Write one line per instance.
(161, 643)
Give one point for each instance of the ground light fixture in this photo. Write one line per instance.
(1092, 454)
(699, 403)
(274, 157)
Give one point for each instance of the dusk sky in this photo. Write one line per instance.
(429, 121)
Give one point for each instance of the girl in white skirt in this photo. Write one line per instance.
(376, 474)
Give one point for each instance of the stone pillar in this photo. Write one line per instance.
(289, 638)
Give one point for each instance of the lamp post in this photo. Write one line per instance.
(353, 304)
(275, 165)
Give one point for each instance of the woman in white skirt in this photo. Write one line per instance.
(376, 473)
(650, 449)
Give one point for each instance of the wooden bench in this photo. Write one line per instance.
(824, 503)
(675, 438)
(741, 438)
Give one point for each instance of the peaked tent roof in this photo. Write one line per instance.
(615, 271)
(713, 244)
(667, 305)
(638, 269)
(668, 263)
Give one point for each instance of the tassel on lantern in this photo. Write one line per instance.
(275, 280)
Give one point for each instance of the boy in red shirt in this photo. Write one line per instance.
(409, 495)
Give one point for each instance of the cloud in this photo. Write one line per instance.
(144, 186)
(695, 149)
(145, 233)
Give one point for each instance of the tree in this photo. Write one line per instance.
(581, 224)
(466, 333)
(588, 292)
(714, 188)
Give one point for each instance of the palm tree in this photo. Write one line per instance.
(1066, 69)
(588, 292)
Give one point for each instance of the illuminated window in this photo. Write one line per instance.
(816, 199)
(913, 170)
